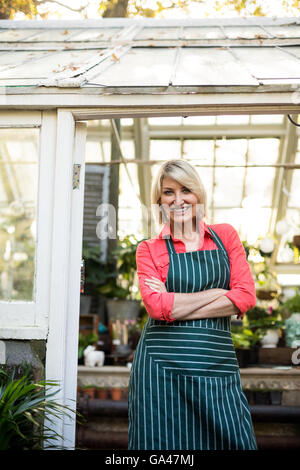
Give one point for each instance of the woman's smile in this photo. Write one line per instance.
(178, 202)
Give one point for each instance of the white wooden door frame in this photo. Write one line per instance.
(66, 248)
(62, 341)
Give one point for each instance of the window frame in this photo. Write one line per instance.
(29, 319)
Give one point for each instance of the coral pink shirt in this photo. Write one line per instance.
(152, 259)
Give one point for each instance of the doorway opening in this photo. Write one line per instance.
(250, 168)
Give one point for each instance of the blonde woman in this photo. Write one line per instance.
(185, 389)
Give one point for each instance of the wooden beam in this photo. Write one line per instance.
(142, 143)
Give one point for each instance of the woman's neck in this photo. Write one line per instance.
(185, 231)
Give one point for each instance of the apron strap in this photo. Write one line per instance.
(170, 245)
(215, 236)
(218, 241)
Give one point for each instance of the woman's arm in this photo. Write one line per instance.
(161, 304)
(220, 307)
(196, 305)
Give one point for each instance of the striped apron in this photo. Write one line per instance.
(185, 389)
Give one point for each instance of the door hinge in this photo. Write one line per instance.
(76, 175)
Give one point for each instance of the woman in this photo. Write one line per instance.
(185, 390)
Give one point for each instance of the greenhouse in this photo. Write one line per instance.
(89, 111)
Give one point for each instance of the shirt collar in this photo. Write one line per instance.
(166, 231)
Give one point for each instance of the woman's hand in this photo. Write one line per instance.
(155, 284)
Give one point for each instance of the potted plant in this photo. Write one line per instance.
(267, 286)
(23, 405)
(290, 310)
(83, 342)
(244, 341)
(102, 393)
(267, 323)
(89, 390)
(120, 290)
(116, 393)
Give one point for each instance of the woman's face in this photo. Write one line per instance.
(179, 203)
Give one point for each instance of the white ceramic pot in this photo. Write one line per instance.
(271, 338)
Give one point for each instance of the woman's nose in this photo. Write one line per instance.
(178, 199)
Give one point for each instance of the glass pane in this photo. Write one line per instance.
(251, 223)
(294, 199)
(18, 202)
(231, 152)
(259, 183)
(263, 151)
(225, 195)
(98, 152)
(164, 149)
(130, 216)
(206, 175)
(201, 150)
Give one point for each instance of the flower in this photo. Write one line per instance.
(270, 310)
(267, 245)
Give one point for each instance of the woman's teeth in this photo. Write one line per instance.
(180, 211)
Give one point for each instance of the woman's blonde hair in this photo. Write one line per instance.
(185, 174)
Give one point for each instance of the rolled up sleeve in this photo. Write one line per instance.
(242, 287)
(158, 304)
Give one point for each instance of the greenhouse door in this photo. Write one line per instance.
(62, 341)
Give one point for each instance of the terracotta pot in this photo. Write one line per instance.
(89, 391)
(102, 393)
(116, 393)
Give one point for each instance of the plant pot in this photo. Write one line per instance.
(116, 393)
(266, 294)
(90, 391)
(271, 338)
(296, 241)
(102, 393)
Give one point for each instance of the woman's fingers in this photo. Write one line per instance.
(155, 284)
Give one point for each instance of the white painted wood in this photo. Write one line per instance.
(23, 319)
(13, 118)
(62, 344)
(60, 257)
(143, 104)
(17, 314)
(23, 332)
(45, 217)
(71, 359)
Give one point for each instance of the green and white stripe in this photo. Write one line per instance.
(185, 391)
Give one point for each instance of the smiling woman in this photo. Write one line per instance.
(185, 390)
